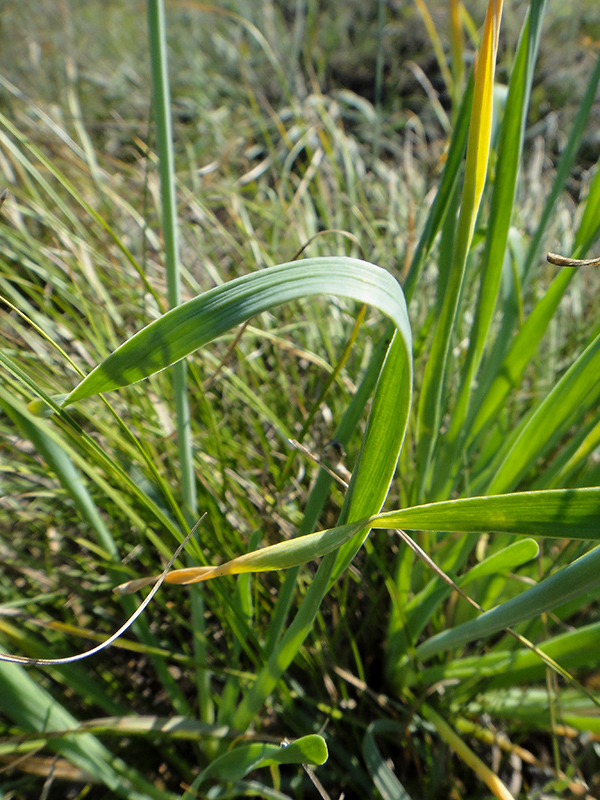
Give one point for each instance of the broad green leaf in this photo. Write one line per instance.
(240, 761)
(556, 512)
(283, 555)
(380, 449)
(193, 324)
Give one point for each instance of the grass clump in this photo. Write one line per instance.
(260, 246)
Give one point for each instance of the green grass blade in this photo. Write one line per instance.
(70, 188)
(572, 650)
(468, 756)
(161, 102)
(572, 581)
(386, 782)
(29, 705)
(506, 373)
(195, 323)
(589, 227)
(508, 559)
(408, 622)
(434, 377)
(445, 192)
(507, 170)
(61, 464)
(523, 346)
(395, 382)
(565, 164)
(556, 512)
(576, 393)
(381, 446)
(572, 459)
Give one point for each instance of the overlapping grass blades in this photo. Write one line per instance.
(478, 147)
(474, 433)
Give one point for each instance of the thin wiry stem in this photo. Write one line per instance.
(51, 662)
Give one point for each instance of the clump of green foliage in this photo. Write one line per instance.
(181, 302)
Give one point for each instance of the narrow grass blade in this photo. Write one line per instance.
(558, 512)
(565, 164)
(29, 705)
(107, 642)
(507, 170)
(61, 464)
(445, 192)
(575, 649)
(467, 755)
(490, 399)
(457, 49)
(475, 173)
(572, 581)
(589, 227)
(506, 372)
(438, 48)
(576, 393)
(522, 348)
(161, 102)
(70, 188)
(384, 779)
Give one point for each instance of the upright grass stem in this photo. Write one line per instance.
(164, 142)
